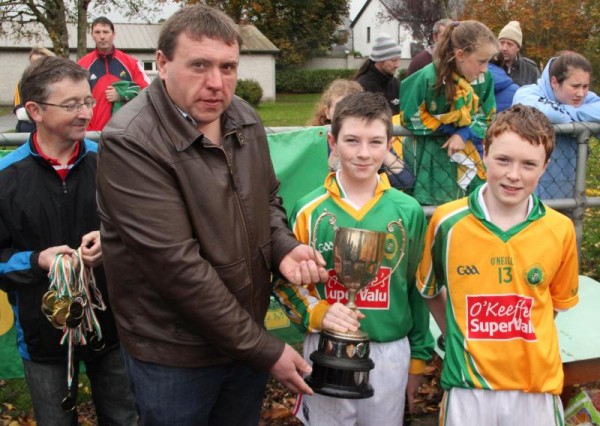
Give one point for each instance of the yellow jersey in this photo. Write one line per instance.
(503, 288)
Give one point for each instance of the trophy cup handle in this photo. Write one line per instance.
(332, 221)
(390, 228)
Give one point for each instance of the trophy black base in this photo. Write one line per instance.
(341, 366)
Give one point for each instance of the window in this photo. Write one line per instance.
(149, 65)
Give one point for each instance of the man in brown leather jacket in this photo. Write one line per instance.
(192, 229)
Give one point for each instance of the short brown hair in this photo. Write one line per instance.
(102, 20)
(527, 122)
(197, 22)
(37, 79)
(366, 106)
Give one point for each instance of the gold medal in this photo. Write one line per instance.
(48, 300)
(61, 309)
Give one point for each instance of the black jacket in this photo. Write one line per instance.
(375, 81)
(37, 211)
(523, 71)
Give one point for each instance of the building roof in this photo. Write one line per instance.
(389, 5)
(130, 37)
(359, 14)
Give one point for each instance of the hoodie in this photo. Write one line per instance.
(541, 96)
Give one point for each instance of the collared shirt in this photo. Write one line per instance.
(61, 169)
(187, 117)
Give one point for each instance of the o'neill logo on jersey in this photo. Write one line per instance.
(499, 317)
(374, 296)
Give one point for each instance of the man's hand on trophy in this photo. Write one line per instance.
(303, 265)
(341, 318)
(289, 369)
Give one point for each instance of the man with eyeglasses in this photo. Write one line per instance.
(115, 77)
(48, 207)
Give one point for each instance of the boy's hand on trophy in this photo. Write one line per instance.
(341, 318)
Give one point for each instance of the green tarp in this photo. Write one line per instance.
(300, 162)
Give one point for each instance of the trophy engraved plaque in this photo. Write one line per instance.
(341, 363)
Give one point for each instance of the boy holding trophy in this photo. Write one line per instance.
(389, 307)
(497, 268)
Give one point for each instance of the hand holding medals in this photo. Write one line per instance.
(69, 305)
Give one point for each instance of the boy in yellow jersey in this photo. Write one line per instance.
(496, 268)
(391, 309)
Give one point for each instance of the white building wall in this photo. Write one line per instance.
(260, 68)
(332, 62)
(13, 65)
(350, 62)
(252, 67)
(369, 22)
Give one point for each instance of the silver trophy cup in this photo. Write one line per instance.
(341, 364)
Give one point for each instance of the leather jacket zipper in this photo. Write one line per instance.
(244, 225)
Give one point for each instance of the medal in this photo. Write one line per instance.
(69, 305)
(48, 300)
(68, 402)
(96, 343)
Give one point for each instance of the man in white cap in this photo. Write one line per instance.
(378, 73)
(522, 70)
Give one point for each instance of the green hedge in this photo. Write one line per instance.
(308, 81)
(250, 91)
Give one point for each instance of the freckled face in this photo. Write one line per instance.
(514, 168)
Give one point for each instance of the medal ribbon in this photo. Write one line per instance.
(76, 298)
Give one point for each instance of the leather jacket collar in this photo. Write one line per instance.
(182, 132)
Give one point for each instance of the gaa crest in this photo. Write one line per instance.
(391, 246)
(534, 275)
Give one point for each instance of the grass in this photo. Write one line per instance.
(288, 110)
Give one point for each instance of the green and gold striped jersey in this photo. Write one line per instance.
(502, 290)
(393, 307)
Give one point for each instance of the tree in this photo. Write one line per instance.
(17, 17)
(301, 29)
(52, 14)
(420, 15)
(548, 26)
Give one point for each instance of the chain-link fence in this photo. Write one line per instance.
(571, 183)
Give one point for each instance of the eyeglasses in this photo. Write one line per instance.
(73, 107)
